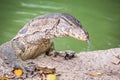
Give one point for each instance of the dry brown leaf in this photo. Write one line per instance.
(116, 61)
(46, 70)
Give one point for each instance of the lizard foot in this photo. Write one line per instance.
(68, 54)
(28, 69)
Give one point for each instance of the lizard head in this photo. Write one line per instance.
(72, 27)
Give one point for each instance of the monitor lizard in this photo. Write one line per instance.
(36, 37)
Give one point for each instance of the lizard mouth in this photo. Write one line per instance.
(79, 34)
(85, 38)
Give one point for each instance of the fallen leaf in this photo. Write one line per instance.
(18, 72)
(51, 77)
(116, 61)
(94, 73)
(46, 70)
(4, 78)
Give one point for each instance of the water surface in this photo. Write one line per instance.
(101, 18)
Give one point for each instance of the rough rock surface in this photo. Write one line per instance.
(94, 65)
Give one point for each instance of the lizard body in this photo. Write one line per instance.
(36, 36)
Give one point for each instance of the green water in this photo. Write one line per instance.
(101, 18)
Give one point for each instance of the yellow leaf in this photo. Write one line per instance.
(51, 77)
(18, 72)
(4, 78)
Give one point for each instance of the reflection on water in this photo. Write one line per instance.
(26, 13)
(40, 6)
(101, 21)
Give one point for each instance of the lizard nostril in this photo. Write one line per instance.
(87, 36)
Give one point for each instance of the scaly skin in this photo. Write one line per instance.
(36, 36)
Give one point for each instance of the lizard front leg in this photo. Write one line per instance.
(67, 54)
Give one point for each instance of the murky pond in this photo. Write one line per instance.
(101, 18)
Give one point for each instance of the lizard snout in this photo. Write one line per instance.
(85, 36)
(79, 34)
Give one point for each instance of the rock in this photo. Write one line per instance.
(84, 62)
(104, 63)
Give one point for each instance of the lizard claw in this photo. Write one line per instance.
(30, 68)
(69, 55)
(27, 67)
